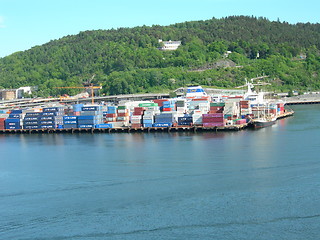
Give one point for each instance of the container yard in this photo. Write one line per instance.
(179, 114)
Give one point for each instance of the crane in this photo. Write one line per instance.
(91, 87)
(87, 84)
(254, 84)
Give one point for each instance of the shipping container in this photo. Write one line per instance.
(168, 124)
(86, 125)
(104, 125)
(91, 108)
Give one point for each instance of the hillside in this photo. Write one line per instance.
(127, 60)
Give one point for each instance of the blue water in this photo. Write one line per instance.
(262, 184)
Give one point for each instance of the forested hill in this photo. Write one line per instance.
(127, 60)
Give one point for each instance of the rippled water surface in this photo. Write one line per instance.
(262, 184)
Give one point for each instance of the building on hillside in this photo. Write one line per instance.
(169, 45)
(7, 94)
(22, 91)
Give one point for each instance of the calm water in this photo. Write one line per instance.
(262, 184)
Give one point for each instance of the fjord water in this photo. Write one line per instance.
(262, 184)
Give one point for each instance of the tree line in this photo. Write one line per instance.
(127, 60)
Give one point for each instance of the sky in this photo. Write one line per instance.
(28, 23)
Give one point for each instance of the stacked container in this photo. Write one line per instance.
(51, 117)
(31, 120)
(164, 119)
(70, 122)
(197, 117)
(136, 118)
(160, 102)
(2, 123)
(181, 106)
(245, 108)
(12, 123)
(90, 116)
(14, 120)
(213, 120)
(216, 107)
(123, 115)
(111, 114)
(77, 109)
(150, 111)
(203, 105)
(168, 106)
(186, 120)
(231, 109)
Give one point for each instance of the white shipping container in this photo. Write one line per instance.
(134, 117)
(123, 110)
(136, 121)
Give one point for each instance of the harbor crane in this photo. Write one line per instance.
(87, 85)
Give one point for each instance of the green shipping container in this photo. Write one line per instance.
(148, 105)
(217, 104)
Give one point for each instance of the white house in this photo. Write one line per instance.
(23, 90)
(169, 45)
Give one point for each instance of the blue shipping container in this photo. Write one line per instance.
(31, 127)
(70, 117)
(86, 125)
(91, 108)
(16, 111)
(33, 114)
(68, 126)
(169, 124)
(52, 109)
(147, 121)
(14, 116)
(12, 120)
(70, 122)
(31, 119)
(87, 117)
(47, 126)
(105, 125)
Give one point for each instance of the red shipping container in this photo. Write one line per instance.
(201, 99)
(139, 109)
(241, 121)
(213, 124)
(213, 115)
(137, 113)
(216, 110)
(136, 125)
(111, 115)
(212, 120)
(123, 114)
(160, 101)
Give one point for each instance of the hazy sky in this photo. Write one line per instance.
(27, 23)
